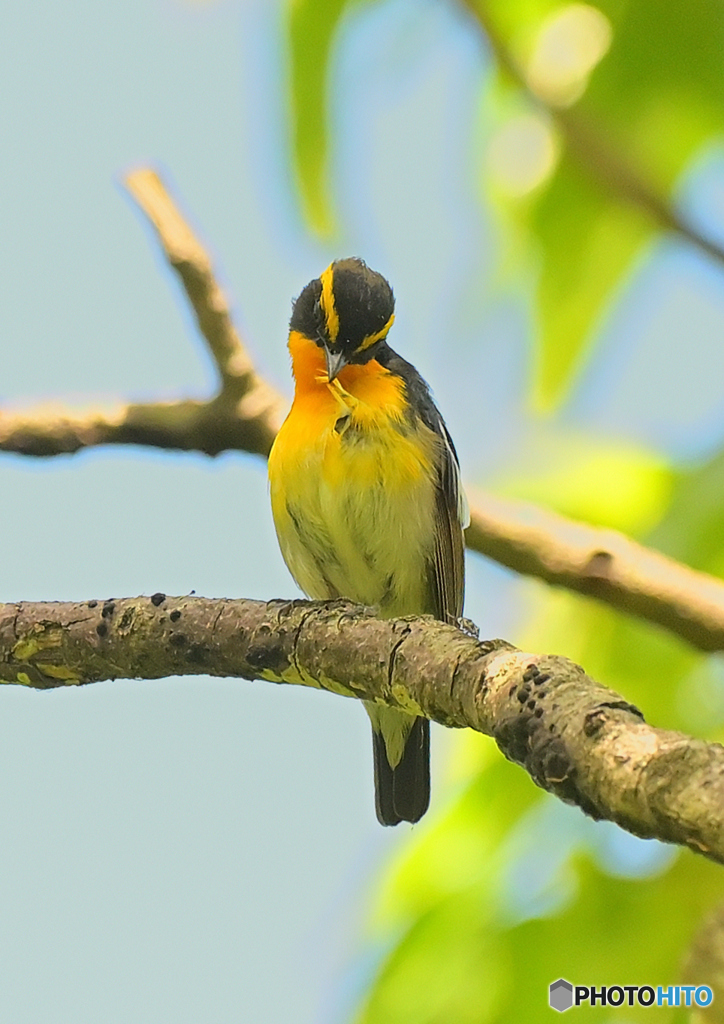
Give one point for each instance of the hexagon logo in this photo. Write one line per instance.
(560, 995)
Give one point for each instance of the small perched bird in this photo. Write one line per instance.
(366, 492)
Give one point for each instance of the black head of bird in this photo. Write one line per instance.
(347, 312)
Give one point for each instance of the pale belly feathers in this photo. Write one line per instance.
(354, 513)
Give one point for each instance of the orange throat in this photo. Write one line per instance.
(369, 383)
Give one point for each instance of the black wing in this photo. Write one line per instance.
(448, 568)
(447, 564)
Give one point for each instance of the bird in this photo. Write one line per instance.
(366, 494)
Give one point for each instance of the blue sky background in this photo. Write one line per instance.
(203, 849)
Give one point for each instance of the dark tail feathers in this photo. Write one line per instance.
(403, 793)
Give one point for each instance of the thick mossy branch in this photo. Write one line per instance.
(576, 738)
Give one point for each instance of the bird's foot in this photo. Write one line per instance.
(468, 627)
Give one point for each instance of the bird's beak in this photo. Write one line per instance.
(335, 362)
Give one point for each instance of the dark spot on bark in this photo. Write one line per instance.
(158, 599)
(549, 763)
(92, 604)
(531, 671)
(175, 615)
(512, 690)
(108, 609)
(538, 712)
(555, 763)
(523, 694)
(623, 705)
(101, 629)
(267, 653)
(531, 705)
(599, 565)
(596, 719)
(543, 677)
(594, 722)
(283, 609)
(177, 639)
(198, 654)
(513, 737)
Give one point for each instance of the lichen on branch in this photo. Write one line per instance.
(575, 738)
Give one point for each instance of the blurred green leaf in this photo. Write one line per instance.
(659, 93)
(456, 852)
(440, 896)
(312, 27)
(617, 932)
(654, 99)
(693, 528)
(463, 958)
(587, 241)
(601, 481)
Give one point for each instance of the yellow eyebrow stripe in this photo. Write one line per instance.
(370, 339)
(326, 300)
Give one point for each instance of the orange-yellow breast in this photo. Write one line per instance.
(353, 486)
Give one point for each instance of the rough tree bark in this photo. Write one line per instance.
(577, 739)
